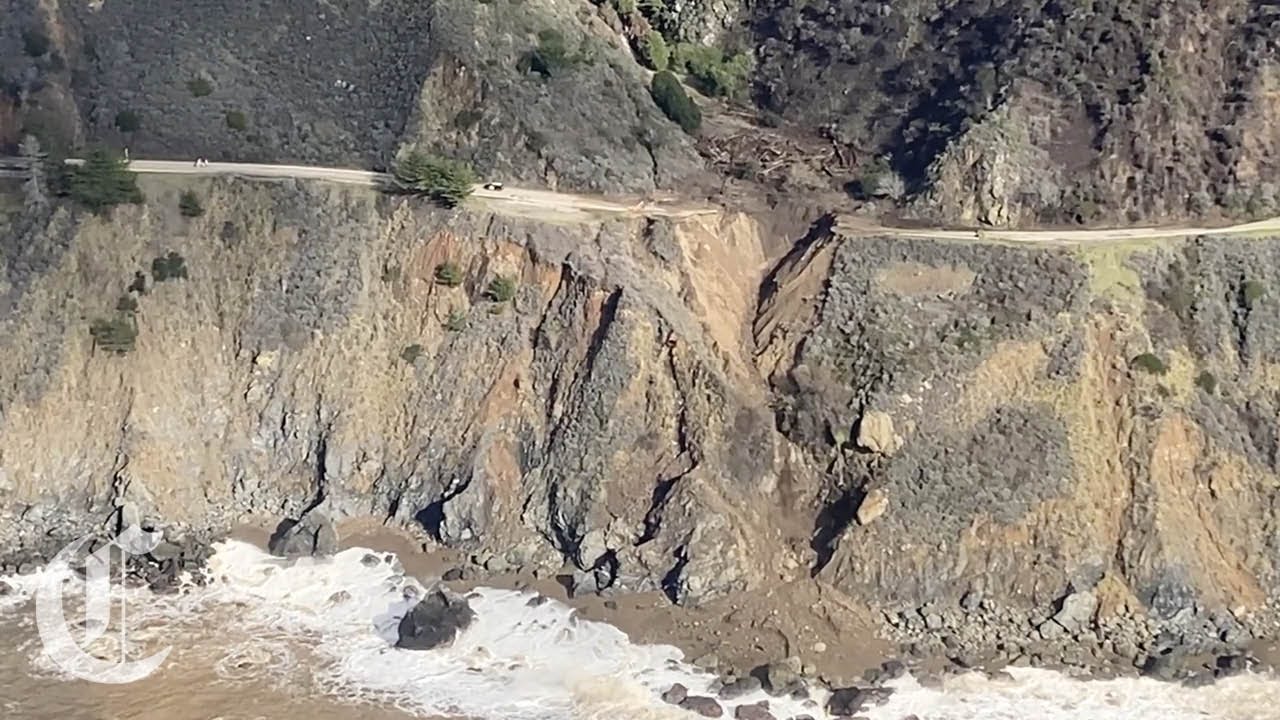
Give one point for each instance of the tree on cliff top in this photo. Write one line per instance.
(104, 181)
(669, 94)
(444, 180)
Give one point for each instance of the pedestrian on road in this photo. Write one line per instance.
(126, 154)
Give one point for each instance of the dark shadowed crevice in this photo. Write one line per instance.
(831, 523)
(671, 581)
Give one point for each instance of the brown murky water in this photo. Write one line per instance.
(199, 681)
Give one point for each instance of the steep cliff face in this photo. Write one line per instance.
(310, 354)
(915, 422)
(1014, 425)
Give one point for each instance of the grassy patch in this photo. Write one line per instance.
(411, 353)
(1110, 274)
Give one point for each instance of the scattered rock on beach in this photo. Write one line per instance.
(704, 706)
(846, 702)
(675, 694)
(755, 711)
(435, 621)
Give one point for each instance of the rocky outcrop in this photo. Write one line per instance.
(311, 535)
(435, 621)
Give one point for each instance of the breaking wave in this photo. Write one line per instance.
(524, 660)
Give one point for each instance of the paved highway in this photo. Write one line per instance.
(507, 196)
(533, 200)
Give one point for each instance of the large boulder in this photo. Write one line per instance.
(875, 433)
(1077, 611)
(846, 702)
(311, 535)
(704, 706)
(782, 678)
(435, 621)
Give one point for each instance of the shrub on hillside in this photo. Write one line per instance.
(714, 72)
(169, 267)
(552, 55)
(128, 121)
(35, 43)
(655, 52)
(502, 289)
(1149, 363)
(199, 87)
(444, 180)
(1207, 382)
(672, 99)
(237, 121)
(116, 335)
(189, 205)
(449, 274)
(103, 181)
(1252, 290)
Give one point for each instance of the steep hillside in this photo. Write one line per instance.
(345, 82)
(1012, 111)
(958, 435)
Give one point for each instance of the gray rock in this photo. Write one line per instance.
(453, 574)
(846, 702)
(781, 678)
(1164, 667)
(311, 535)
(675, 694)
(435, 621)
(739, 687)
(704, 706)
(710, 661)
(755, 711)
(1051, 630)
(1077, 611)
(893, 669)
(6, 589)
(165, 551)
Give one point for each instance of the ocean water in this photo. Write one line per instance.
(322, 632)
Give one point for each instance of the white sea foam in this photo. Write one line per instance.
(523, 661)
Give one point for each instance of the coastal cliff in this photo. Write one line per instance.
(963, 438)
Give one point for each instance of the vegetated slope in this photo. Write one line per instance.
(346, 82)
(1014, 110)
